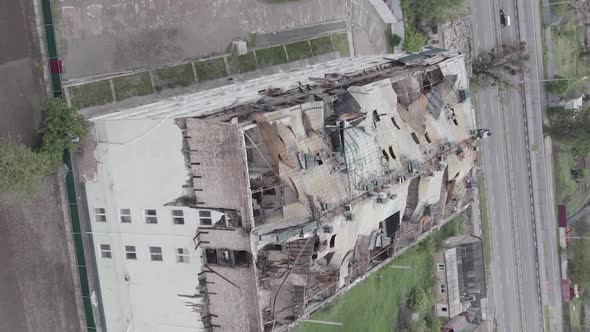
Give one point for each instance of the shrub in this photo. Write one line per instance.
(394, 40)
(61, 127)
(414, 40)
(558, 87)
(420, 300)
(21, 169)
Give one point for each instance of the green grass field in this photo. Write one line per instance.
(271, 56)
(373, 305)
(566, 49)
(241, 63)
(299, 50)
(91, 94)
(321, 45)
(566, 186)
(170, 77)
(133, 85)
(210, 69)
(341, 44)
(576, 315)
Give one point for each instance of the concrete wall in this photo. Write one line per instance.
(141, 166)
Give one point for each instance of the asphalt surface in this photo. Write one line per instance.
(20, 90)
(37, 287)
(525, 268)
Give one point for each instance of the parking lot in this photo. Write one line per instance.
(99, 37)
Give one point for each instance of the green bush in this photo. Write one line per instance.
(21, 169)
(414, 40)
(558, 87)
(394, 40)
(420, 300)
(61, 127)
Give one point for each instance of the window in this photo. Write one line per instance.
(443, 288)
(151, 216)
(415, 138)
(156, 254)
(125, 215)
(130, 252)
(178, 217)
(441, 267)
(100, 215)
(205, 218)
(444, 309)
(182, 255)
(105, 251)
(332, 241)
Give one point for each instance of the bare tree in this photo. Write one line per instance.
(497, 66)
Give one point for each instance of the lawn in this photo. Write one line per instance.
(340, 42)
(133, 85)
(567, 44)
(321, 45)
(244, 63)
(299, 50)
(576, 315)
(210, 69)
(271, 56)
(374, 304)
(170, 77)
(566, 186)
(91, 94)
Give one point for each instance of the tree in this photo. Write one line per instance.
(573, 128)
(499, 65)
(558, 87)
(414, 40)
(62, 126)
(21, 169)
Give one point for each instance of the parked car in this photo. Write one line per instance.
(504, 19)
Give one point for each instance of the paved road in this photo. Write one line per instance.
(518, 178)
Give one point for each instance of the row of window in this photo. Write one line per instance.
(151, 216)
(156, 254)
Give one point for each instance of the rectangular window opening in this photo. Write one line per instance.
(205, 218)
(395, 123)
(130, 252)
(441, 267)
(182, 255)
(100, 215)
(125, 215)
(105, 251)
(151, 216)
(415, 138)
(178, 217)
(156, 254)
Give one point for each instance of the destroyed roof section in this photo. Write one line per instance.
(380, 97)
(211, 101)
(232, 298)
(303, 159)
(217, 165)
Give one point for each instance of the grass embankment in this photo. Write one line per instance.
(375, 303)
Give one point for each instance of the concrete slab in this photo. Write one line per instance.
(99, 37)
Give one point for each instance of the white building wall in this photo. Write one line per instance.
(141, 166)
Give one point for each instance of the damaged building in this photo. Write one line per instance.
(292, 187)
